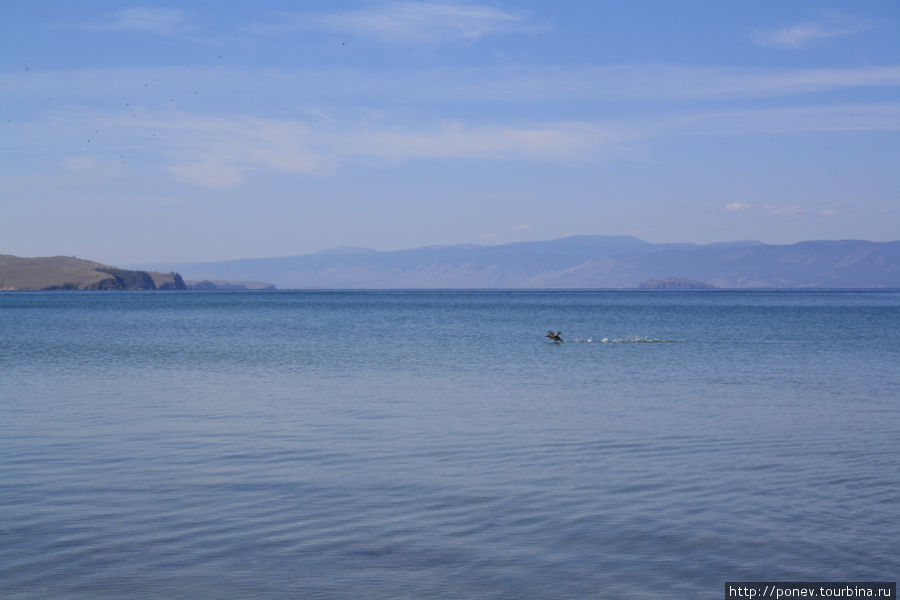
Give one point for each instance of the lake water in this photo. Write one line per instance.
(430, 444)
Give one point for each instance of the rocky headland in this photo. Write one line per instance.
(70, 273)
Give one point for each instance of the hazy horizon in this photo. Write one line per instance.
(197, 132)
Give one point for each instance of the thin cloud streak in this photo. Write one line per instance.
(803, 35)
(319, 148)
(142, 19)
(405, 22)
(224, 151)
(837, 118)
(590, 84)
(548, 141)
(778, 211)
(222, 154)
(785, 211)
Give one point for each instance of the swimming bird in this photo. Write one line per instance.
(556, 337)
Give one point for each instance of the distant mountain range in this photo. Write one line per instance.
(571, 262)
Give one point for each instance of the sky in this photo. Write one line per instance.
(212, 130)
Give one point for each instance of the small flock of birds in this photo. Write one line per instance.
(128, 106)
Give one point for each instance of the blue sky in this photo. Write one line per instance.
(212, 130)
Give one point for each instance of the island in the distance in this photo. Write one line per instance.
(675, 283)
(207, 284)
(70, 273)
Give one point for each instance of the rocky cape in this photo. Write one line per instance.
(572, 262)
(70, 273)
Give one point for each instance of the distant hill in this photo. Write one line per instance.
(572, 262)
(674, 283)
(70, 273)
(206, 284)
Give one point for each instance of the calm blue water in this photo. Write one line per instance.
(435, 445)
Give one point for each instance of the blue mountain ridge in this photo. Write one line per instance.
(585, 261)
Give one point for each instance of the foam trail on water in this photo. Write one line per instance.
(637, 339)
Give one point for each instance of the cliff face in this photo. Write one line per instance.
(126, 280)
(168, 281)
(70, 273)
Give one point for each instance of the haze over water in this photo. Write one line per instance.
(435, 445)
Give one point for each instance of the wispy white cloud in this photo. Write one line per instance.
(243, 146)
(204, 139)
(546, 141)
(149, 19)
(208, 171)
(143, 19)
(406, 22)
(806, 119)
(222, 153)
(780, 211)
(625, 83)
(787, 210)
(96, 168)
(80, 164)
(806, 34)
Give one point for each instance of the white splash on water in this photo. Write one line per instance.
(636, 339)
